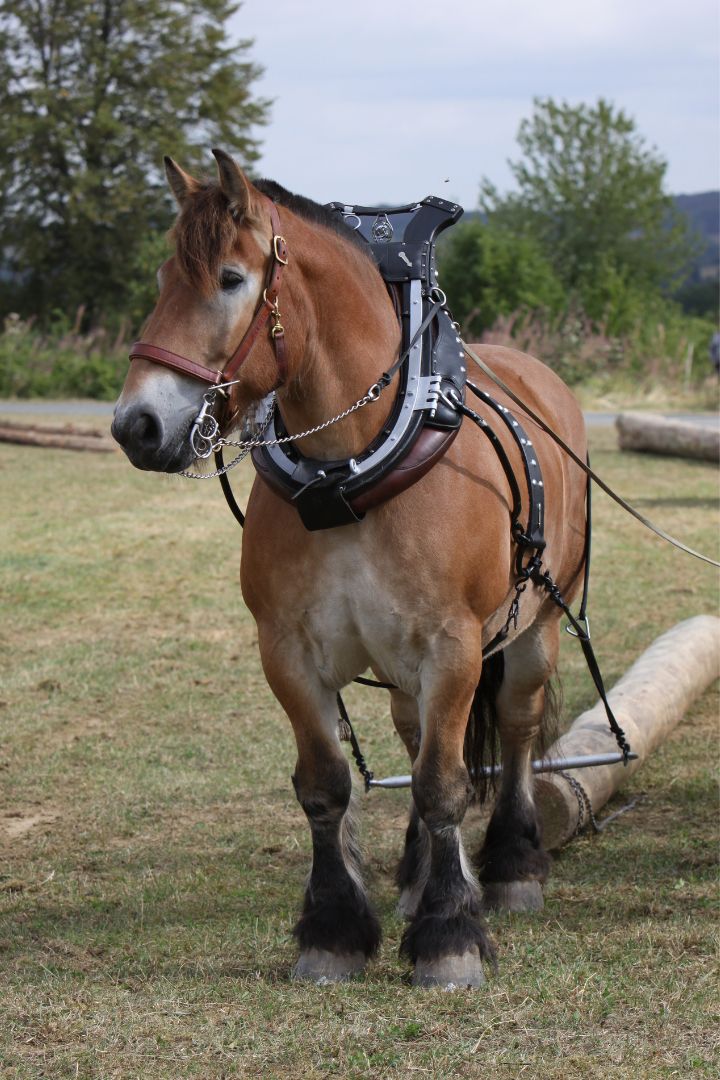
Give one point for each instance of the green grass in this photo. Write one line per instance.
(153, 855)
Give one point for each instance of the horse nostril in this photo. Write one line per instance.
(138, 430)
(147, 431)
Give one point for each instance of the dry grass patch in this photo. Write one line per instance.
(153, 854)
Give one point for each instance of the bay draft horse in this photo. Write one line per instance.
(413, 591)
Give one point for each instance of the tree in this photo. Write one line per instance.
(591, 193)
(93, 93)
(488, 271)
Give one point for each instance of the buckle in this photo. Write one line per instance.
(277, 241)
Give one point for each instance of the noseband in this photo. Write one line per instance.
(267, 309)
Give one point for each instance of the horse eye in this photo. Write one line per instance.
(230, 280)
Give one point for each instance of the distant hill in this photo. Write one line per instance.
(703, 213)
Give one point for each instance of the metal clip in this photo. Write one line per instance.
(205, 428)
(428, 393)
(573, 632)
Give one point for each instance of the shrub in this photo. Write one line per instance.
(61, 362)
(663, 346)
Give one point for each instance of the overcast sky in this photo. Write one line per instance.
(385, 100)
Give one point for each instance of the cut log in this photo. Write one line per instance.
(38, 437)
(676, 438)
(69, 428)
(648, 702)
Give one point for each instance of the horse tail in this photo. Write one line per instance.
(482, 746)
(482, 743)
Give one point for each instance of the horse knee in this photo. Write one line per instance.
(324, 793)
(441, 800)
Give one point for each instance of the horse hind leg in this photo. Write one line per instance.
(512, 862)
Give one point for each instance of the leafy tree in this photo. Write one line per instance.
(591, 193)
(92, 93)
(488, 270)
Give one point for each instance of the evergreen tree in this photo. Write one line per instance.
(93, 93)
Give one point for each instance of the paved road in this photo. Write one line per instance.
(105, 408)
(58, 408)
(603, 419)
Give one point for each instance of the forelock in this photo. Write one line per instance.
(204, 233)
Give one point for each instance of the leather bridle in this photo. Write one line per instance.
(267, 309)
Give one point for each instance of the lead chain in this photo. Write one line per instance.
(245, 446)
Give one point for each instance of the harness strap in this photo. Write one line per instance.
(387, 376)
(582, 614)
(545, 581)
(227, 489)
(504, 460)
(533, 542)
(581, 464)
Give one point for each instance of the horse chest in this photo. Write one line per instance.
(359, 617)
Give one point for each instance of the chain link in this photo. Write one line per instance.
(245, 446)
(585, 809)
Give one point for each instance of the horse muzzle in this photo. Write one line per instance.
(150, 442)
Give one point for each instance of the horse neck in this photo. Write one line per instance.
(350, 336)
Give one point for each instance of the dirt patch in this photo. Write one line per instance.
(16, 823)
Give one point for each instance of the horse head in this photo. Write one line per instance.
(211, 290)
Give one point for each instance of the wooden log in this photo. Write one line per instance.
(656, 435)
(36, 437)
(69, 428)
(648, 702)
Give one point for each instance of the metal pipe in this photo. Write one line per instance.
(582, 761)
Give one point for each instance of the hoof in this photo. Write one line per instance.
(513, 896)
(323, 967)
(450, 972)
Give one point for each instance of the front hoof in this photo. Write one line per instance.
(513, 896)
(451, 972)
(323, 967)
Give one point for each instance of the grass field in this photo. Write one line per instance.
(153, 855)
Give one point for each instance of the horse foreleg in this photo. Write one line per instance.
(513, 863)
(337, 930)
(446, 939)
(414, 866)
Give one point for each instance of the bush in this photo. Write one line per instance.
(61, 362)
(663, 346)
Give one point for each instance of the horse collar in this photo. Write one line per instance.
(424, 421)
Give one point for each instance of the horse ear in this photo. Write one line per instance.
(233, 184)
(181, 183)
